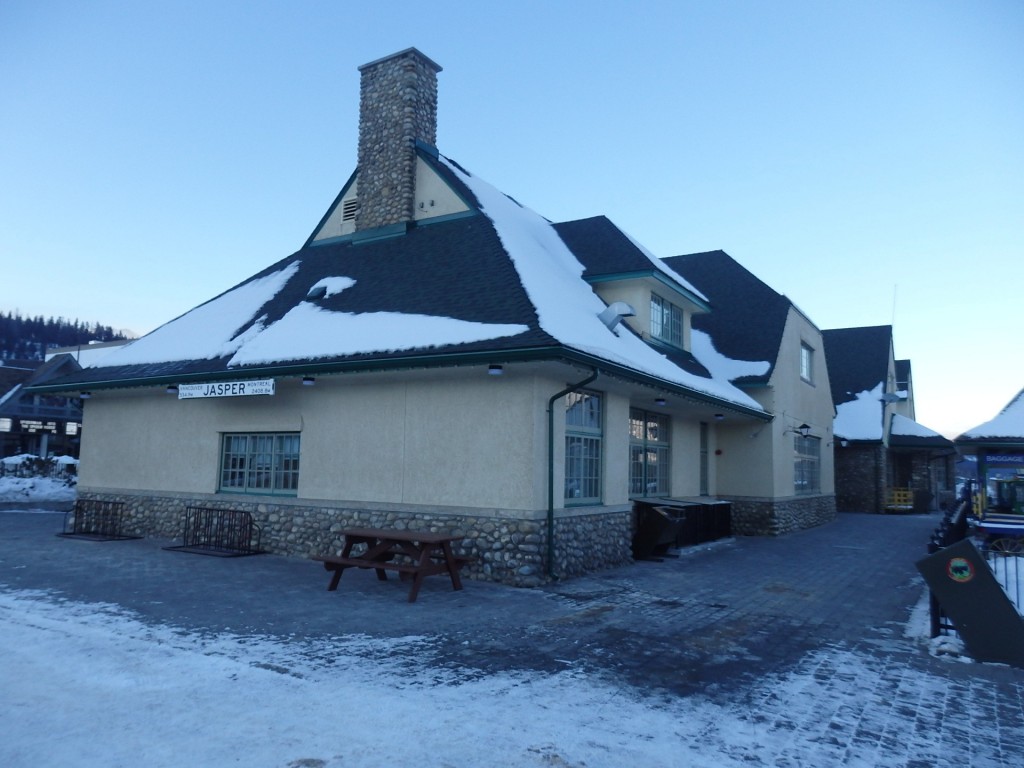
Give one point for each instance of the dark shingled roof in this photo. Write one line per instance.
(453, 267)
(857, 359)
(747, 317)
(456, 268)
(607, 252)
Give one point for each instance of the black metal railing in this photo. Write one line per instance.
(1003, 554)
(97, 520)
(221, 532)
(952, 529)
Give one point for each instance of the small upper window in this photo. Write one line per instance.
(806, 363)
(666, 321)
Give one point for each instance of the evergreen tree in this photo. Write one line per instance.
(28, 338)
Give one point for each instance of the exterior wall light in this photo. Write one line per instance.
(660, 401)
(719, 417)
(84, 395)
(172, 389)
(495, 370)
(308, 381)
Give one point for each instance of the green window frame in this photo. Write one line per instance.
(649, 446)
(583, 447)
(264, 463)
(806, 465)
(666, 321)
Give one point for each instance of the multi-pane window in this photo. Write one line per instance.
(648, 453)
(583, 424)
(666, 321)
(806, 363)
(807, 464)
(262, 463)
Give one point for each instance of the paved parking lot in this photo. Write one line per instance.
(831, 605)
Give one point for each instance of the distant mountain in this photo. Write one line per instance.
(29, 338)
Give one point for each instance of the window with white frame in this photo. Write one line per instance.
(807, 363)
(260, 463)
(583, 433)
(648, 453)
(666, 321)
(807, 464)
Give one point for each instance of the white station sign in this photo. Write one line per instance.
(226, 389)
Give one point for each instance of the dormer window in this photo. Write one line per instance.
(666, 321)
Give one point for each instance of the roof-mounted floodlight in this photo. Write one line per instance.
(614, 313)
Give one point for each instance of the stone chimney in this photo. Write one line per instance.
(397, 106)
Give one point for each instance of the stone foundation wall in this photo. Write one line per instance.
(767, 517)
(505, 549)
(860, 478)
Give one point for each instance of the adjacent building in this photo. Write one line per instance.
(37, 423)
(997, 446)
(884, 459)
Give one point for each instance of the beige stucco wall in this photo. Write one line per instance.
(476, 441)
(758, 461)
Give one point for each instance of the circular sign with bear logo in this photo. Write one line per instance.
(960, 570)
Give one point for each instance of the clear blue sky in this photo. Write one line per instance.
(864, 158)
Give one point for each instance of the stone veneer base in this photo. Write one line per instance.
(768, 517)
(505, 549)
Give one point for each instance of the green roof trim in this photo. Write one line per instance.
(658, 275)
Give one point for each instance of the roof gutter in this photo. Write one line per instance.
(551, 466)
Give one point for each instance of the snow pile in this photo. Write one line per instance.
(35, 489)
(1009, 422)
(861, 419)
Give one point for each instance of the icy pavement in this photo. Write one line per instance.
(755, 652)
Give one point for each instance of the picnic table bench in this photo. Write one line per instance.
(412, 554)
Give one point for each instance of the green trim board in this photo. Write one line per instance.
(539, 354)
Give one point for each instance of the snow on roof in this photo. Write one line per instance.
(309, 332)
(305, 332)
(665, 268)
(1009, 422)
(208, 331)
(566, 306)
(901, 425)
(720, 366)
(861, 418)
(331, 286)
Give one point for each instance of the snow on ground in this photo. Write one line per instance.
(35, 489)
(90, 685)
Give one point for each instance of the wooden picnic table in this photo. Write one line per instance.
(415, 554)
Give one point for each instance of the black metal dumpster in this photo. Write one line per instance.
(662, 523)
(654, 530)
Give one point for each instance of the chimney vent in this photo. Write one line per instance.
(397, 107)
